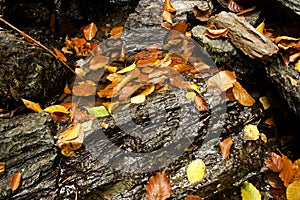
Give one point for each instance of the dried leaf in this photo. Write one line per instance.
(99, 111)
(138, 99)
(158, 187)
(246, 11)
(287, 171)
(225, 146)
(2, 168)
(195, 88)
(166, 25)
(110, 105)
(202, 14)
(116, 32)
(90, 31)
(98, 62)
(84, 90)
(249, 192)
(222, 80)
(270, 122)
(200, 103)
(196, 170)
(56, 108)
(180, 27)
(59, 55)
(264, 101)
(242, 95)
(192, 197)
(70, 133)
(167, 16)
(190, 95)
(128, 90)
(297, 170)
(274, 162)
(297, 66)
(234, 6)
(169, 7)
(287, 38)
(216, 33)
(149, 89)
(111, 69)
(293, 81)
(67, 90)
(15, 181)
(251, 132)
(33, 106)
(263, 137)
(293, 191)
(127, 69)
(294, 57)
(260, 28)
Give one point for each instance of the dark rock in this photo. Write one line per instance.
(27, 146)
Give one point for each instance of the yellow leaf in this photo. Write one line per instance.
(56, 108)
(190, 95)
(127, 69)
(297, 66)
(249, 192)
(69, 134)
(33, 106)
(264, 101)
(242, 95)
(195, 88)
(149, 89)
(251, 132)
(195, 171)
(260, 28)
(111, 69)
(293, 191)
(293, 81)
(138, 99)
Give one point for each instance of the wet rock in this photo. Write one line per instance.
(28, 72)
(27, 146)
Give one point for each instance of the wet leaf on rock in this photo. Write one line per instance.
(98, 61)
(158, 187)
(31, 105)
(293, 191)
(251, 132)
(98, 111)
(59, 55)
(225, 146)
(167, 16)
(196, 171)
(15, 181)
(202, 14)
(216, 33)
(169, 7)
(274, 162)
(200, 103)
(84, 90)
(90, 31)
(249, 192)
(242, 95)
(56, 108)
(287, 171)
(222, 80)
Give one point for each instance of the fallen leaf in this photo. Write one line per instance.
(280, 38)
(70, 133)
(225, 146)
(15, 181)
(246, 11)
(127, 69)
(149, 89)
(190, 95)
(297, 66)
(167, 16)
(222, 80)
(169, 7)
(274, 162)
(56, 108)
(234, 6)
(294, 57)
(116, 32)
(90, 31)
(263, 137)
(80, 72)
(59, 55)
(200, 103)
(104, 125)
(274, 180)
(2, 168)
(158, 187)
(195, 88)
(138, 99)
(270, 122)
(99, 111)
(98, 62)
(260, 28)
(242, 95)
(166, 25)
(67, 90)
(196, 171)
(192, 197)
(111, 69)
(110, 105)
(180, 27)
(293, 191)
(31, 105)
(297, 169)
(216, 33)
(287, 171)
(249, 192)
(84, 90)
(251, 132)
(202, 14)
(293, 81)
(264, 101)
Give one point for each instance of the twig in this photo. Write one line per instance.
(35, 42)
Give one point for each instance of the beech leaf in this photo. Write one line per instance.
(127, 69)
(260, 28)
(200, 103)
(56, 108)
(293, 191)
(249, 192)
(85, 89)
(192, 197)
(216, 33)
(158, 187)
(15, 181)
(287, 171)
(225, 146)
(196, 171)
(99, 111)
(251, 132)
(274, 162)
(222, 80)
(31, 105)
(242, 95)
(59, 55)
(89, 31)
(202, 14)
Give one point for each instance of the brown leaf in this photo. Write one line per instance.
(192, 197)
(98, 62)
(116, 32)
(84, 90)
(166, 25)
(158, 187)
(31, 105)
(274, 162)
(202, 14)
(287, 171)
(128, 90)
(167, 16)
(234, 6)
(216, 33)
(225, 146)
(2, 168)
(200, 103)
(169, 7)
(242, 95)
(180, 27)
(274, 180)
(223, 80)
(59, 55)
(15, 181)
(90, 31)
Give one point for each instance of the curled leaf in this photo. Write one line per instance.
(158, 187)
(202, 14)
(31, 105)
(196, 171)
(89, 31)
(242, 95)
(169, 7)
(287, 171)
(225, 146)
(15, 181)
(167, 16)
(216, 33)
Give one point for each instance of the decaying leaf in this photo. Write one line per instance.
(274, 162)
(251, 132)
(264, 101)
(293, 81)
(84, 90)
(287, 171)
(167, 16)
(200, 103)
(59, 55)
(216, 33)
(56, 108)
(98, 62)
(169, 7)
(2, 168)
(192, 197)
(15, 181)
(222, 80)
(249, 192)
(202, 14)
(180, 27)
(196, 171)
(260, 28)
(225, 146)
(242, 95)
(158, 187)
(293, 191)
(98, 111)
(90, 31)
(234, 6)
(33, 106)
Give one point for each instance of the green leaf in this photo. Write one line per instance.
(99, 111)
(249, 192)
(127, 69)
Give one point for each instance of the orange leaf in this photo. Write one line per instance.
(225, 146)
(274, 162)
(234, 6)
(59, 55)
(242, 95)
(287, 171)
(202, 14)
(15, 181)
(167, 16)
(192, 197)
(216, 33)
(200, 103)
(180, 27)
(89, 31)
(33, 106)
(169, 7)
(223, 80)
(158, 187)
(85, 89)
(270, 122)
(67, 90)
(116, 32)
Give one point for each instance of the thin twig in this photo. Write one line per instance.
(35, 42)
